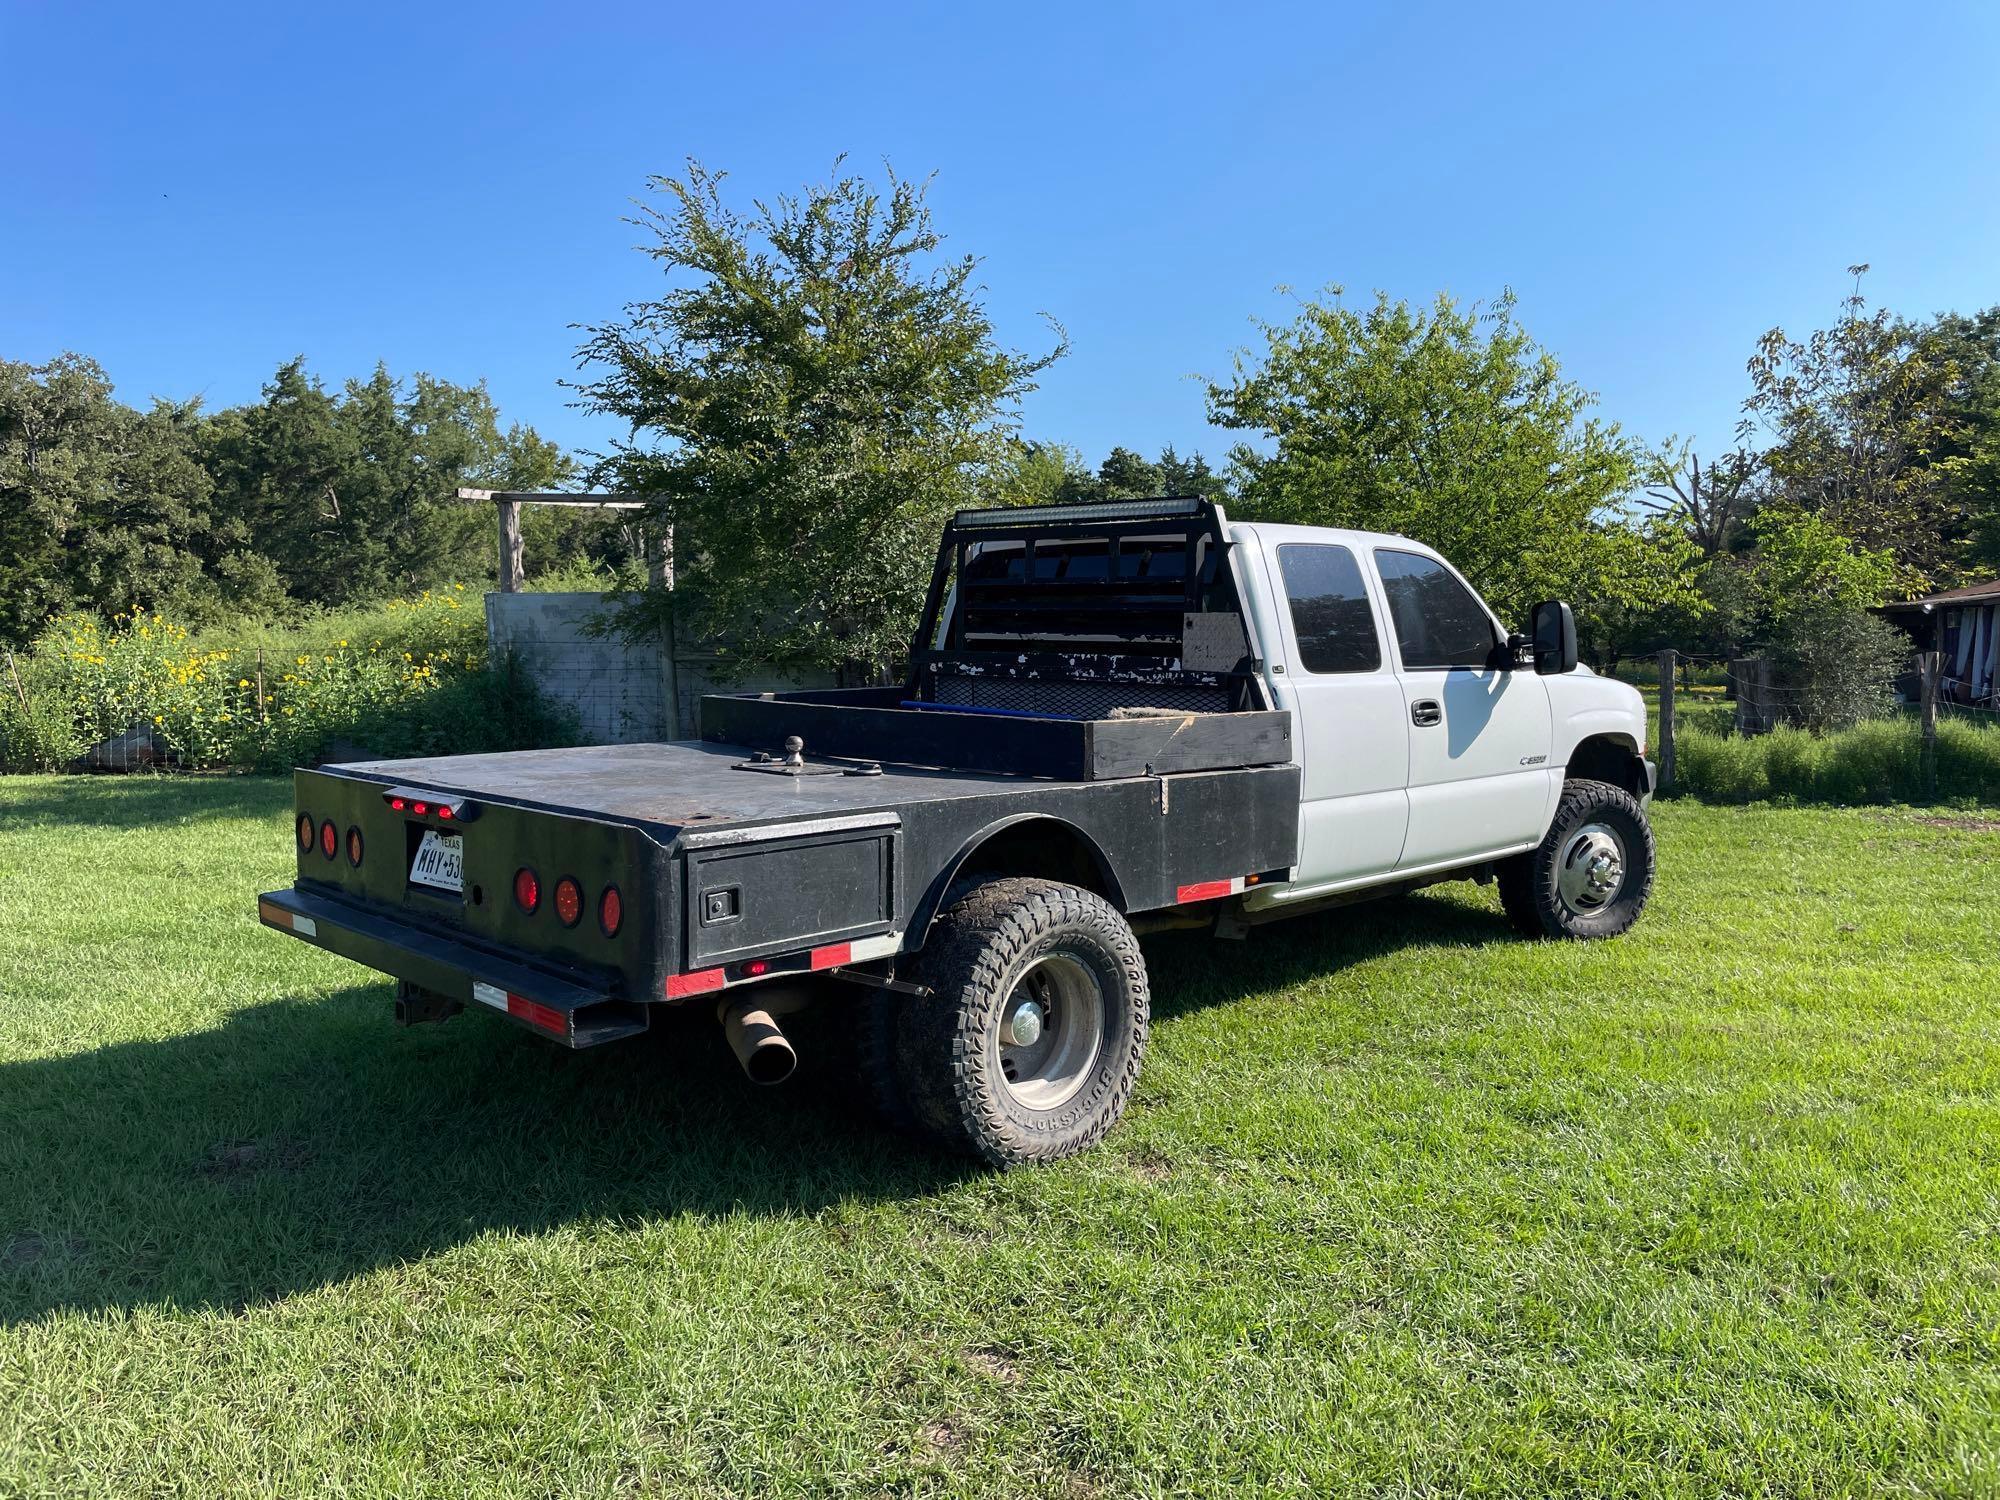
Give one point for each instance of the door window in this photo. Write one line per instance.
(1331, 615)
(1438, 621)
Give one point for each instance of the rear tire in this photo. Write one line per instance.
(1029, 1045)
(1591, 874)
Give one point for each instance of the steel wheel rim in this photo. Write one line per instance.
(1591, 869)
(1051, 1031)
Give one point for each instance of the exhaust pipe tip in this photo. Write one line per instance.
(762, 1049)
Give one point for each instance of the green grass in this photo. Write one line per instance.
(1873, 762)
(1405, 1205)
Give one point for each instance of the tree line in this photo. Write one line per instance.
(815, 384)
(309, 496)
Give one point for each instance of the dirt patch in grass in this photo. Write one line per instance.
(995, 1363)
(1963, 825)
(944, 1437)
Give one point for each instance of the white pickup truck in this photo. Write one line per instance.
(1117, 717)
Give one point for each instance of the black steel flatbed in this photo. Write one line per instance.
(667, 786)
(1108, 731)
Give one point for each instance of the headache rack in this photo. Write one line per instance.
(1073, 641)
(1086, 610)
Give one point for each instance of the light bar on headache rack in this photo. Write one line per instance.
(1110, 510)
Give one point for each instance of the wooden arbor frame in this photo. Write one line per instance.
(509, 503)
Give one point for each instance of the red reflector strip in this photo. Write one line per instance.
(540, 1016)
(833, 956)
(1208, 890)
(679, 986)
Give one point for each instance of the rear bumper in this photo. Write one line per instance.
(563, 1008)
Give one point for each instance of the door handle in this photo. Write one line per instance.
(1425, 712)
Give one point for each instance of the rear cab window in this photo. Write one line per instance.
(1331, 615)
(1439, 624)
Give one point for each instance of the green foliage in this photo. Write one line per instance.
(1124, 475)
(353, 496)
(305, 497)
(1971, 444)
(1864, 434)
(101, 503)
(1804, 565)
(1835, 664)
(403, 679)
(1051, 473)
(1874, 762)
(1448, 425)
(822, 389)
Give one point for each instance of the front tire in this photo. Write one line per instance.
(1591, 874)
(1029, 1045)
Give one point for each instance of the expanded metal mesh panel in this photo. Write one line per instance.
(1078, 700)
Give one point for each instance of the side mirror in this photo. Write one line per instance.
(1553, 626)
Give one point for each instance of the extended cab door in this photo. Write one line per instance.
(1479, 735)
(1351, 732)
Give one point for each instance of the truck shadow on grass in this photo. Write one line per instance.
(305, 1142)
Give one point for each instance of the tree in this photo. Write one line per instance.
(1037, 474)
(59, 432)
(813, 393)
(1971, 447)
(1706, 505)
(354, 496)
(105, 507)
(1189, 476)
(1863, 431)
(1833, 658)
(278, 467)
(1448, 425)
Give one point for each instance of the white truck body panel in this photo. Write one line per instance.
(1410, 770)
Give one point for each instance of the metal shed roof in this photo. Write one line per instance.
(1971, 593)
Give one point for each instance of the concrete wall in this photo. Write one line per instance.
(621, 691)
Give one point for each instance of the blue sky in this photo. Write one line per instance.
(193, 194)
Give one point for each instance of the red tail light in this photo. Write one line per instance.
(527, 890)
(444, 812)
(610, 911)
(305, 831)
(354, 847)
(420, 808)
(329, 838)
(569, 900)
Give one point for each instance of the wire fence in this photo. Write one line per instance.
(1757, 699)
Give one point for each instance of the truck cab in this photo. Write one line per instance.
(1425, 745)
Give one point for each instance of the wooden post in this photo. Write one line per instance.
(14, 672)
(1751, 677)
(1667, 719)
(1930, 669)
(263, 713)
(511, 570)
(670, 646)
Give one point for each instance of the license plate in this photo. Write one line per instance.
(440, 862)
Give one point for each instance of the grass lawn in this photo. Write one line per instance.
(1405, 1205)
